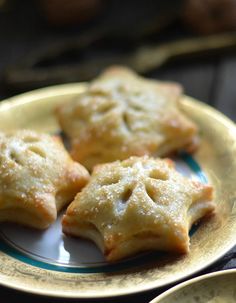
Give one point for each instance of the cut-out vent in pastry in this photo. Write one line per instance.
(122, 114)
(37, 178)
(136, 205)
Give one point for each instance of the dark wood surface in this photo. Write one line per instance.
(211, 81)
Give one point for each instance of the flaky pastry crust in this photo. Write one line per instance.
(37, 178)
(136, 205)
(122, 114)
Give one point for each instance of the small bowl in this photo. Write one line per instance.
(216, 287)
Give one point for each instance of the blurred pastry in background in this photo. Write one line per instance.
(63, 12)
(210, 16)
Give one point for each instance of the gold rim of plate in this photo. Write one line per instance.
(202, 289)
(213, 238)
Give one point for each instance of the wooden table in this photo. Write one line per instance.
(212, 81)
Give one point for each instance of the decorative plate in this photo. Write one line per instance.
(217, 287)
(49, 263)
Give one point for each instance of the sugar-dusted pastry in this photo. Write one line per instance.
(37, 178)
(122, 114)
(136, 205)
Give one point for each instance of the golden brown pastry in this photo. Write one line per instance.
(37, 178)
(122, 114)
(136, 205)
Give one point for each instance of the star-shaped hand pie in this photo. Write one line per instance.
(138, 204)
(37, 178)
(122, 115)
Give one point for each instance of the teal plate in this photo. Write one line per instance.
(48, 263)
